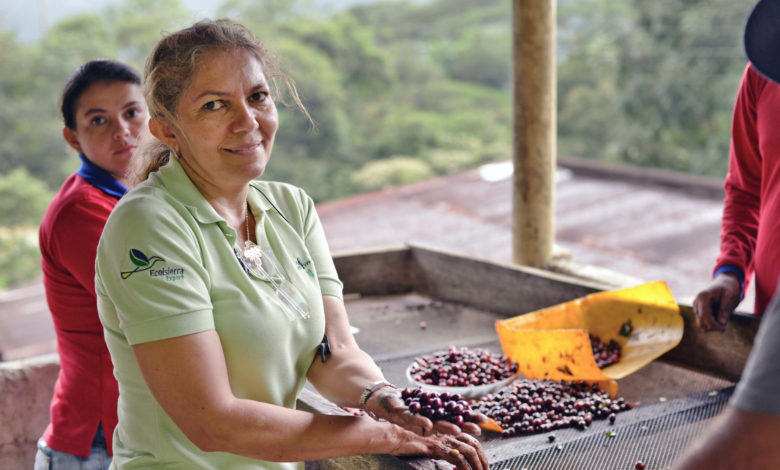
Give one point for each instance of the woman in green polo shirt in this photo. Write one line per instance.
(215, 290)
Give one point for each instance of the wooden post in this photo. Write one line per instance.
(534, 133)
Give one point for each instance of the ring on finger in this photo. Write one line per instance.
(454, 453)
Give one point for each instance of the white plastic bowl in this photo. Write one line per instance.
(471, 392)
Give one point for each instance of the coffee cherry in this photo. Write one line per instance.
(462, 367)
(445, 406)
(605, 354)
(639, 465)
(531, 406)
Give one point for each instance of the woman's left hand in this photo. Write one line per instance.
(386, 403)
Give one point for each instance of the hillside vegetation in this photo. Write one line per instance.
(402, 91)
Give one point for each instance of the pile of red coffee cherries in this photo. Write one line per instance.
(535, 406)
(462, 367)
(605, 354)
(439, 406)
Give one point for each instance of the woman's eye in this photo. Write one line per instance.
(213, 105)
(260, 96)
(97, 120)
(131, 113)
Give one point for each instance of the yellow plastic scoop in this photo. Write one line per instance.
(553, 343)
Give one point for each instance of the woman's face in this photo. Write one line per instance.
(227, 120)
(110, 119)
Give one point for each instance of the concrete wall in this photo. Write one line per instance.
(26, 387)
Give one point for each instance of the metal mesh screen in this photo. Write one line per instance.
(656, 436)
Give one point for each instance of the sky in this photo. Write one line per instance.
(28, 19)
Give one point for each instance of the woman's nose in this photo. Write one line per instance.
(244, 119)
(121, 129)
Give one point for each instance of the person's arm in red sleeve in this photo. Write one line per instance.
(715, 304)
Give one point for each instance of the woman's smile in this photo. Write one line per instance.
(244, 149)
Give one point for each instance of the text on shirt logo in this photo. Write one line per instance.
(305, 265)
(146, 263)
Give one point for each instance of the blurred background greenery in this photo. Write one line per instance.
(400, 91)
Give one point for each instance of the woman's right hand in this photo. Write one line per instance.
(714, 305)
(386, 403)
(462, 450)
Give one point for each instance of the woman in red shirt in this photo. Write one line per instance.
(105, 114)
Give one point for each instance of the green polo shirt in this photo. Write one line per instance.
(166, 267)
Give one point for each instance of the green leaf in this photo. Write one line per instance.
(626, 329)
(138, 258)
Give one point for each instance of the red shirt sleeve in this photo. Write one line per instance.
(743, 180)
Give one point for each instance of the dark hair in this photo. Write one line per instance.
(87, 75)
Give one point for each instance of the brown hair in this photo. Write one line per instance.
(172, 63)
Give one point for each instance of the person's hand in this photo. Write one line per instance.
(386, 403)
(462, 450)
(714, 305)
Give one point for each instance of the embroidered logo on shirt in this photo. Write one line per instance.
(305, 265)
(146, 263)
(141, 261)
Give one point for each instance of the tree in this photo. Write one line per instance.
(23, 199)
(137, 25)
(20, 259)
(395, 171)
(650, 83)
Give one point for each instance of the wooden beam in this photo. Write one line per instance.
(534, 131)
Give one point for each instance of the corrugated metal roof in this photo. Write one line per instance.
(640, 223)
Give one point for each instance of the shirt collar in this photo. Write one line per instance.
(100, 178)
(179, 185)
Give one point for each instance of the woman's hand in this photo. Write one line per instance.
(716, 303)
(462, 450)
(386, 403)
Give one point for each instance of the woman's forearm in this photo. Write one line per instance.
(348, 369)
(344, 376)
(274, 433)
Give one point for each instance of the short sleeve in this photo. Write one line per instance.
(150, 279)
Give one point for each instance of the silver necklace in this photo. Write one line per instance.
(246, 216)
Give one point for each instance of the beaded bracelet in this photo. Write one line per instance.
(369, 390)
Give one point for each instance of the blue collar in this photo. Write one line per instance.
(100, 178)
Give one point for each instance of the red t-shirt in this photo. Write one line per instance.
(751, 213)
(86, 392)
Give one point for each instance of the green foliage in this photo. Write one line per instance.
(23, 199)
(28, 125)
(20, 259)
(648, 83)
(259, 14)
(137, 25)
(448, 161)
(393, 171)
(481, 57)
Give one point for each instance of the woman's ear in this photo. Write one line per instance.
(160, 129)
(72, 139)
